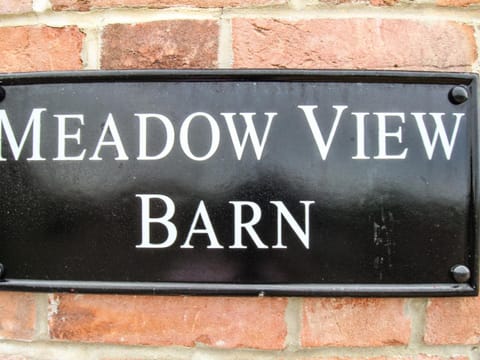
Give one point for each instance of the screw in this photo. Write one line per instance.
(2, 94)
(458, 95)
(460, 273)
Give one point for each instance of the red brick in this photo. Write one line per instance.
(169, 320)
(457, 2)
(17, 315)
(15, 6)
(353, 44)
(354, 322)
(84, 5)
(40, 48)
(162, 44)
(453, 321)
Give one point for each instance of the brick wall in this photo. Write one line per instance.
(359, 34)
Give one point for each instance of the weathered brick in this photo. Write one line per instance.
(169, 320)
(354, 322)
(457, 2)
(353, 44)
(83, 5)
(17, 315)
(162, 44)
(40, 48)
(453, 321)
(15, 6)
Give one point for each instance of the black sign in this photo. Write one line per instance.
(252, 182)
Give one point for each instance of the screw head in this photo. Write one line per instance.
(2, 94)
(458, 95)
(460, 273)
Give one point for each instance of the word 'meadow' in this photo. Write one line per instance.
(389, 126)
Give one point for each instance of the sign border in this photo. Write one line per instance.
(268, 75)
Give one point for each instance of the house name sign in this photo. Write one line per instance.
(239, 182)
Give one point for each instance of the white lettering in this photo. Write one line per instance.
(250, 132)
(323, 147)
(169, 141)
(202, 213)
(283, 213)
(248, 226)
(360, 136)
(63, 136)
(33, 123)
(117, 142)
(383, 134)
(439, 132)
(215, 141)
(164, 220)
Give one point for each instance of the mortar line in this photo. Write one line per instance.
(41, 318)
(347, 11)
(11, 346)
(91, 48)
(301, 4)
(293, 320)
(296, 4)
(417, 310)
(96, 18)
(99, 47)
(40, 6)
(476, 34)
(474, 353)
(225, 44)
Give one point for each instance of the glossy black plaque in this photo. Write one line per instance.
(382, 227)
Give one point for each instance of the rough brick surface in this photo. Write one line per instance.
(32, 48)
(17, 315)
(353, 44)
(354, 322)
(84, 5)
(169, 320)
(453, 321)
(163, 44)
(15, 6)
